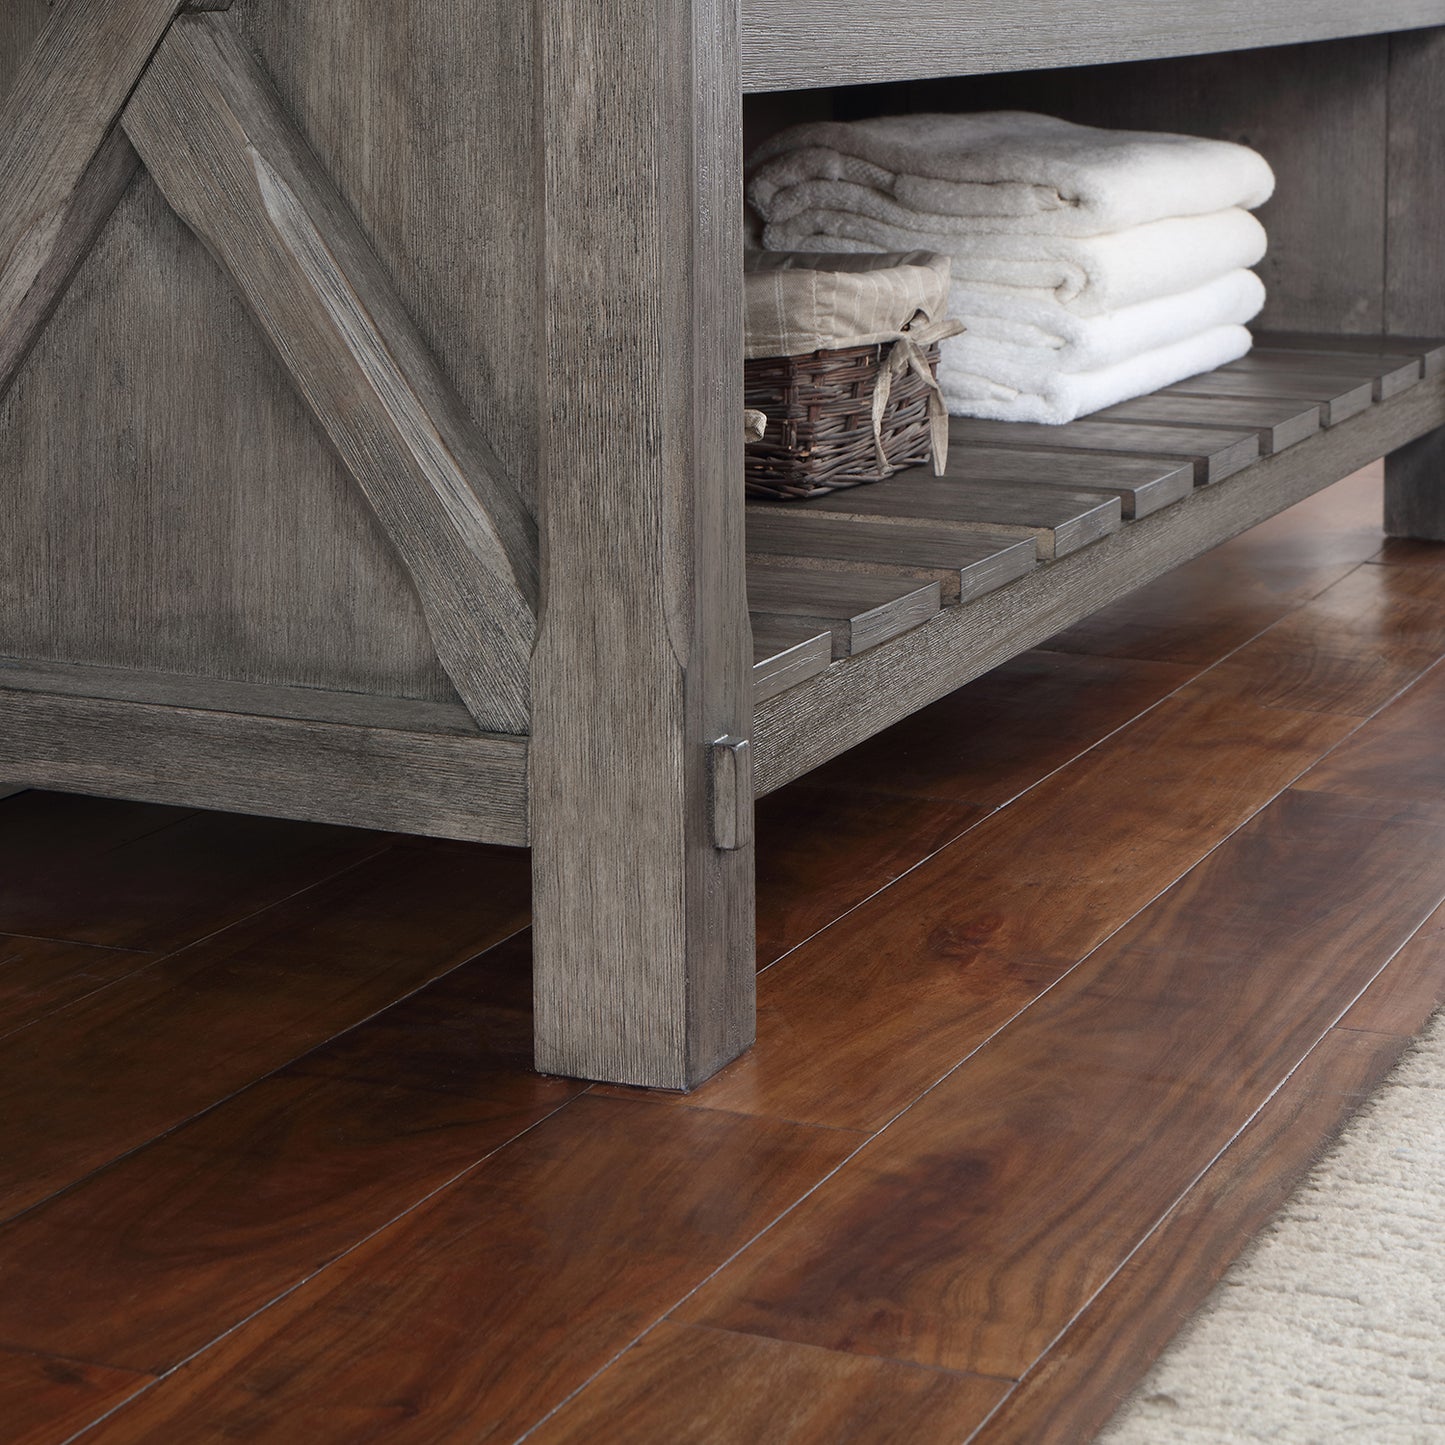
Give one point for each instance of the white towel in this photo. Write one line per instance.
(1089, 274)
(1029, 332)
(1062, 396)
(998, 170)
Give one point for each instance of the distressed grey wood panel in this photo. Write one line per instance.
(644, 954)
(1429, 349)
(445, 786)
(214, 137)
(1059, 520)
(1338, 399)
(1214, 455)
(858, 611)
(261, 564)
(1388, 375)
(1278, 424)
(120, 684)
(964, 564)
(1142, 486)
(1415, 277)
(785, 651)
(798, 43)
(856, 698)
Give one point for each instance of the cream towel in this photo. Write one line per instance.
(1062, 396)
(1089, 274)
(1027, 332)
(1002, 170)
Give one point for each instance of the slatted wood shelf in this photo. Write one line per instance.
(794, 44)
(1316, 415)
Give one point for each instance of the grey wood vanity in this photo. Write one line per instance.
(370, 445)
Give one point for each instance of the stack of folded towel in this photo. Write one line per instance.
(1089, 266)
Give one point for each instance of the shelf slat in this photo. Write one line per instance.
(1278, 423)
(1429, 349)
(965, 564)
(1059, 520)
(1390, 375)
(859, 612)
(785, 652)
(1338, 400)
(1214, 455)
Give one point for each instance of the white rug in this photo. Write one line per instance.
(1332, 1326)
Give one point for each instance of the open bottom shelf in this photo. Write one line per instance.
(1036, 527)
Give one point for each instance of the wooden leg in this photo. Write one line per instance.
(1415, 489)
(644, 926)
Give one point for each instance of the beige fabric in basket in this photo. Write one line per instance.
(803, 302)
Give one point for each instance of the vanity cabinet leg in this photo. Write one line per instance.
(1415, 489)
(644, 929)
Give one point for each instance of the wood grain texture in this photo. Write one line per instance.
(264, 564)
(1350, 650)
(1427, 348)
(1339, 400)
(1104, 1353)
(625, 1233)
(859, 611)
(1279, 424)
(215, 137)
(786, 651)
(859, 697)
(1410, 992)
(44, 1400)
(893, 1000)
(40, 975)
(88, 1084)
(852, 42)
(697, 1386)
(1060, 520)
(644, 953)
(199, 1230)
(59, 179)
(1026, 1183)
(445, 786)
(1390, 373)
(965, 565)
(1141, 484)
(1215, 455)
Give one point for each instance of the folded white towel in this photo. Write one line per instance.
(1000, 169)
(1029, 333)
(1062, 396)
(1089, 274)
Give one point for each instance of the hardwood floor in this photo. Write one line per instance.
(1065, 981)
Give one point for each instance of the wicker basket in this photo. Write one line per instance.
(819, 436)
(842, 357)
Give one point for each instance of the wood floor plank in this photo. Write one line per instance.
(688, 1385)
(165, 887)
(1059, 520)
(483, 1310)
(1213, 454)
(786, 651)
(201, 1229)
(1410, 992)
(1407, 552)
(87, 1084)
(965, 564)
(989, 741)
(969, 1234)
(1276, 422)
(892, 999)
(1395, 759)
(40, 975)
(1349, 650)
(860, 612)
(822, 851)
(1338, 399)
(1079, 1383)
(44, 1401)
